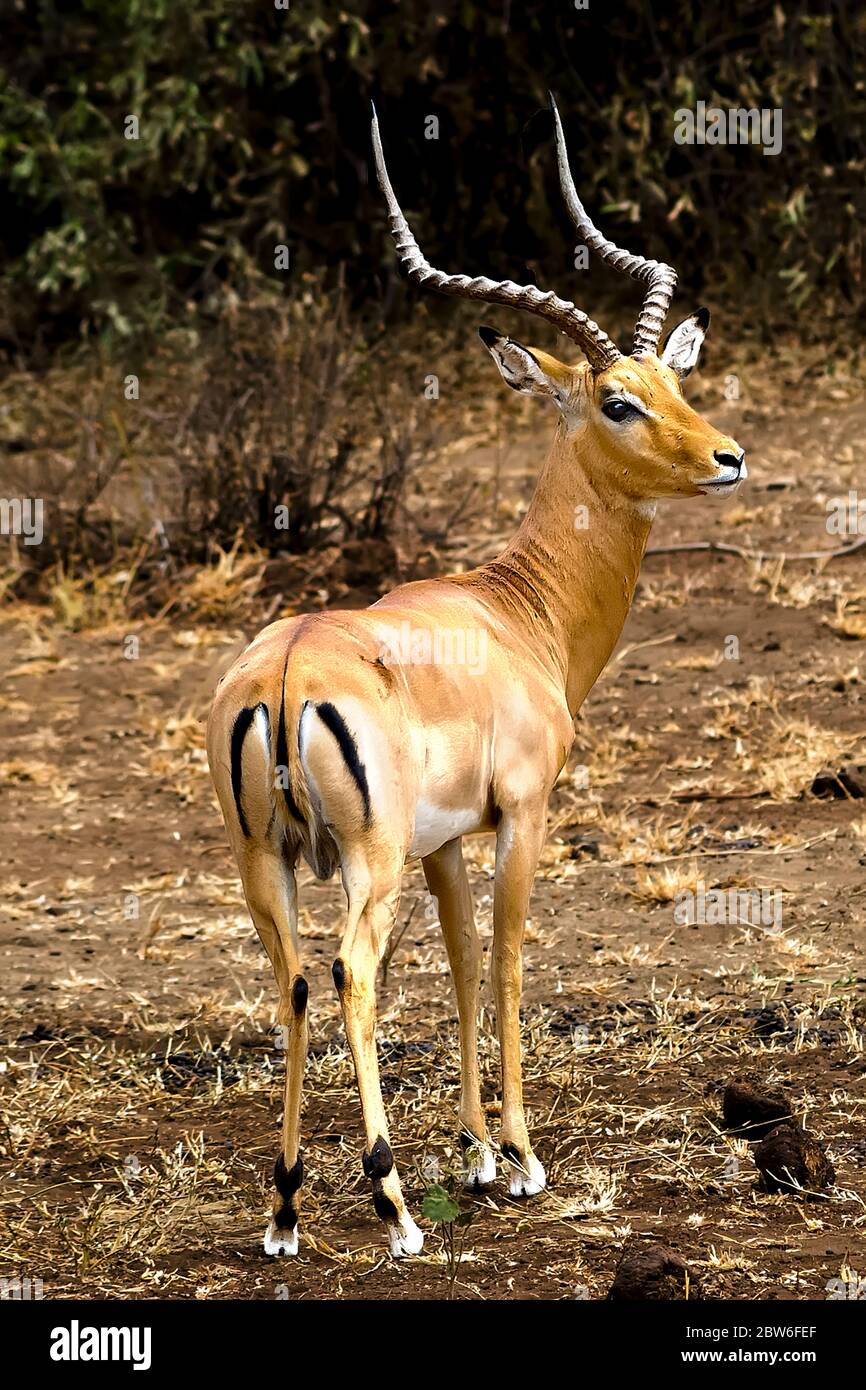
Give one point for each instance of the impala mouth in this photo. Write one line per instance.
(727, 480)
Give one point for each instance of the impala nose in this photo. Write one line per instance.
(731, 466)
(727, 459)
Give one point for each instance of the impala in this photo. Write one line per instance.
(360, 740)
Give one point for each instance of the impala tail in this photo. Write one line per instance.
(298, 801)
(285, 767)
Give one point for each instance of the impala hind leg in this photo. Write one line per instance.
(372, 909)
(518, 847)
(446, 877)
(271, 889)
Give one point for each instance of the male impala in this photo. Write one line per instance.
(336, 738)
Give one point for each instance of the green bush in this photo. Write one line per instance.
(254, 131)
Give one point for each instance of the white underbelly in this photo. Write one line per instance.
(435, 826)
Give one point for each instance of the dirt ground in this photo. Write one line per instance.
(141, 1073)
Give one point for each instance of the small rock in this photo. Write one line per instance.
(656, 1272)
(583, 845)
(853, 779)
(841, 783)
(746, 842)
(752, 1110)
(826, 784)
(769, 1021)
(789, 1159)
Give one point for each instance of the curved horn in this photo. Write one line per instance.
(599, 349)
(659, 278)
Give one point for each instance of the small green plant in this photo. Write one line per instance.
(443, 1209)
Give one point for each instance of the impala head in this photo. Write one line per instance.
(635, 432)
(627, 413)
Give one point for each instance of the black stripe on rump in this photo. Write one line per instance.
(333, 720)
(239, 733)
(283, 751)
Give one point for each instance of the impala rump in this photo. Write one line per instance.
(316, 773)
(288, 760)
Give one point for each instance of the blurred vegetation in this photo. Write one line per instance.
(254, 132)
(283, 430)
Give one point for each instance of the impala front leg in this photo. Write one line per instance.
(518, 847)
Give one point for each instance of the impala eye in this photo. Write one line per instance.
(617, 410)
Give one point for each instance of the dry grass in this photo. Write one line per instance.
(213, 593)
(665, 884)
(849, 619)
(146, 1175)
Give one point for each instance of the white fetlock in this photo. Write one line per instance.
(479, 1165)
(405, 1238)
(281, 1242)
(527, 1179)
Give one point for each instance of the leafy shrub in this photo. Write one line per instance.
(254, 132)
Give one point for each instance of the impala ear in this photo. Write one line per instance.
(683, 345)
(526, 369)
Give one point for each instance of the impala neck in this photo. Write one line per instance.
(568, 577)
